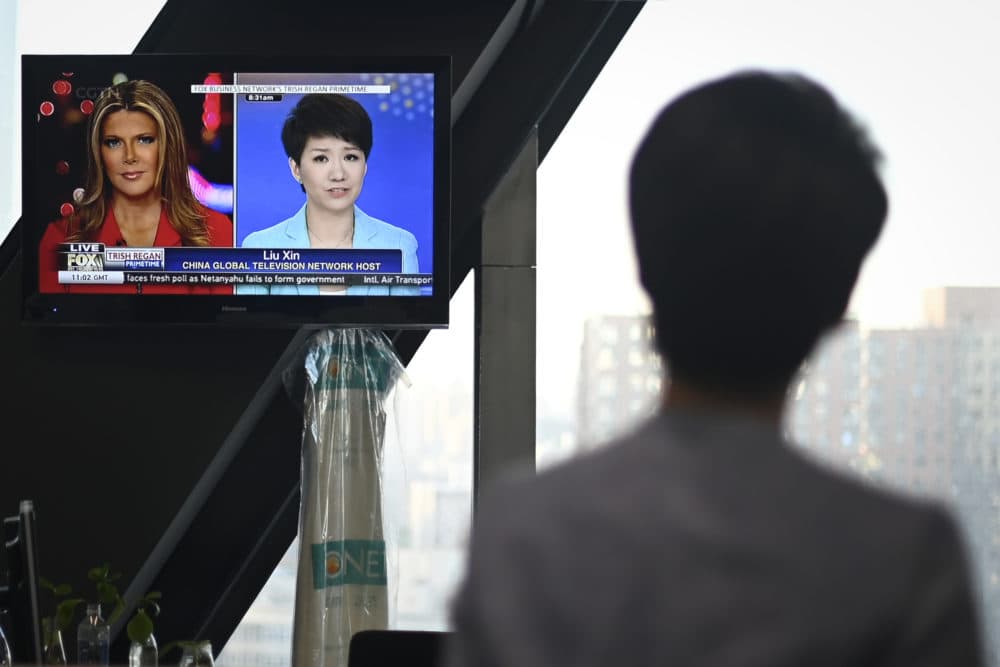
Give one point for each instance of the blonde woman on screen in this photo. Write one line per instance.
(137, 192)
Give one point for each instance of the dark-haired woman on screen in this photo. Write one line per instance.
(328, 139)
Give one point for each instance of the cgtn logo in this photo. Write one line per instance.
(81, 256)
(89, 92)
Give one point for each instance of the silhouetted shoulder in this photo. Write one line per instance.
(713, 527)
(729, 470)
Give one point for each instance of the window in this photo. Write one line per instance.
(900, 372)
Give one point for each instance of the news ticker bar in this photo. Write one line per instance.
(171, 278)
(293, 89)
(96, 257)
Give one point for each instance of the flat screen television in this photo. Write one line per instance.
(245, 190)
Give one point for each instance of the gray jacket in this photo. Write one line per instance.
(703, 540)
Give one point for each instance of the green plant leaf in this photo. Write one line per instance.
(62, 590)
(65, 612)
(107, 593)
(140, 627)
(46, 584)
(95, 574)
(153, 595)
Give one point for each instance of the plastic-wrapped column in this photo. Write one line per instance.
(341, 586)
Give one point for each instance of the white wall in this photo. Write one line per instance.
(9, 209)
(54, 26)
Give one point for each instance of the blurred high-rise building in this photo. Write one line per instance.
(962, 306)
(827, 400)
(620, 377)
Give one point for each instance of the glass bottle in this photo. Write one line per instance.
(53, 651)
(93, 637)
(144, 654)
(197, 654)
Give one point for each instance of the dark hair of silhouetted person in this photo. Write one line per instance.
(754, 200)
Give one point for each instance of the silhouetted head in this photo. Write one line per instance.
(754, 200)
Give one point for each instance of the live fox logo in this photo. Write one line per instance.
(86, 247)
(81, 261)
(81, 256)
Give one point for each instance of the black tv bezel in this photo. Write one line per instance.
(293, 311)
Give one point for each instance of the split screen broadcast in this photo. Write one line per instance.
(209, 182)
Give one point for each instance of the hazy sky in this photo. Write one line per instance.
(921, 75)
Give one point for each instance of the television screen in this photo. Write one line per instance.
(236, 189)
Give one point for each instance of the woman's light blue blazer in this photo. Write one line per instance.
(369, 233)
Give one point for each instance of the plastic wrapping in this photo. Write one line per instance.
(342, 582)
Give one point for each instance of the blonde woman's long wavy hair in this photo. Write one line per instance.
(183, 209)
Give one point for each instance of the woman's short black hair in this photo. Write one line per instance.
(326, 115)
(754, 200)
